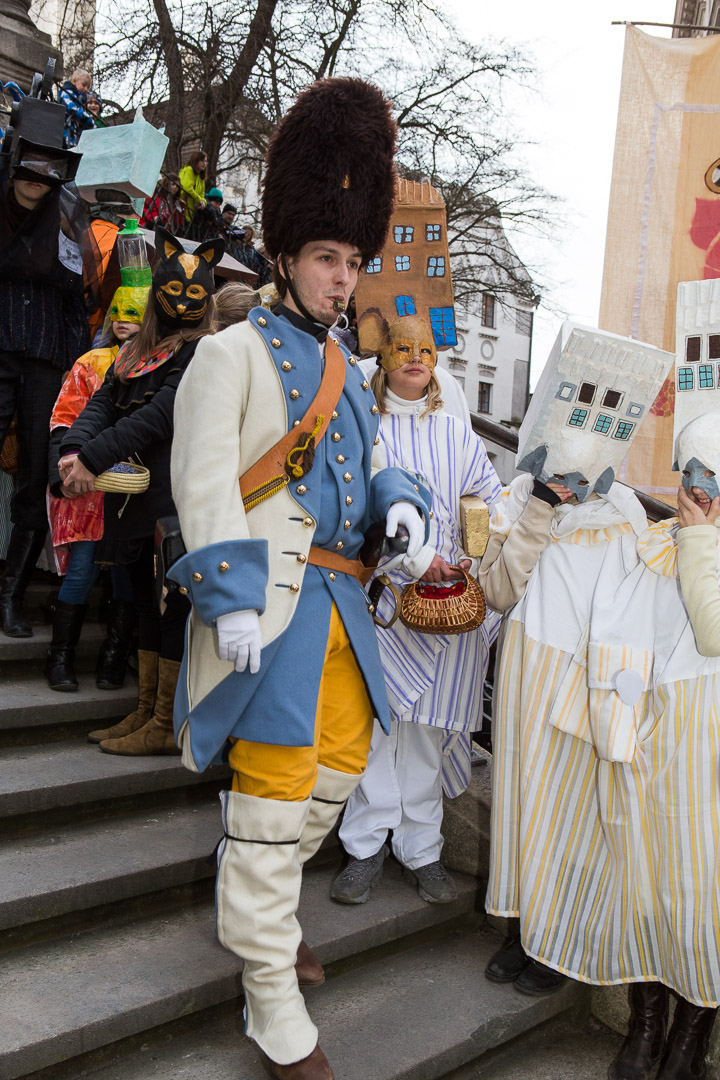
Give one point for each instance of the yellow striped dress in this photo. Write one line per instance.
(606, 816)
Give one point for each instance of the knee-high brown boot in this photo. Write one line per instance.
(640, 1053)
(148, 678)
(687, 1043)
(156, 736)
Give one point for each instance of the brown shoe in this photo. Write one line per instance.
(156, 736)
(308, 968)
(147, 677)
(314, 1067)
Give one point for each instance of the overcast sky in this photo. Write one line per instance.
(571, 118)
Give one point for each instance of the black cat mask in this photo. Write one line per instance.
(183, 283)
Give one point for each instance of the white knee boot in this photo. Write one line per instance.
(331, 792)
(258, 889)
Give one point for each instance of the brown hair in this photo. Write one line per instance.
(149, 342)
(232, 304)
(194, 161)
(379, 385)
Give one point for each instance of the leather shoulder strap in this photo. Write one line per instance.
(270, 468)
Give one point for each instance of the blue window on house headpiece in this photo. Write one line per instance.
(578, 418)
(685, 378)
(706, 378)
(623, 429)
(403, 234)
(432, 232)
(436, 266)
(603, 424)
(374, 266)
(405, 305)
(402, 262)
(442, 321)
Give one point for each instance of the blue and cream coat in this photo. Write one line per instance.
(244, 389)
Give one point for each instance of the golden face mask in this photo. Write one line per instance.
(128, 304)
(409, 338)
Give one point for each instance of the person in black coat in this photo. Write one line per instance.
(131, 416)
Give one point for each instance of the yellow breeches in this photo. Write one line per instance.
(343, 727)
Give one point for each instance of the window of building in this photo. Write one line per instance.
(623, 429)
(523, 322)
(436, 266)
(374, 266)
(586, 393)
(442, 323)
(603, 424)
(634, 409)
(432, 232)
(685, 378)
(487, 310)
(611, 399)
(403, 234)
(484, 397)
(404, 305)
(578, 418)
(566, 391)
(714, 347)
(706, 378)
(692, 349)
(402, 262)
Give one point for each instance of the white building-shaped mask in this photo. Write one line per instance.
(697, 382)
(593, 395)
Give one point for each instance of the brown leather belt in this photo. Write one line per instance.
(330, 561)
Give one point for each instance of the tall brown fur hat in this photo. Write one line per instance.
(330, 173)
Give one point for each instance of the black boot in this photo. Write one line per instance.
(112, 658)
(643, 1046)
(67, 624)
(22, 554)
(687, 1043)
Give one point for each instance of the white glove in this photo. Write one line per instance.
(406, 514)
(239, 639)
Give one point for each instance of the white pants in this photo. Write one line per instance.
(401, 790)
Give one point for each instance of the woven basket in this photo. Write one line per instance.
(130, 480)
(443, 609)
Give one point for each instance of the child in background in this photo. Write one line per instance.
(77, 521)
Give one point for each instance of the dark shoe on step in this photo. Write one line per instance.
(508, 962)
(640, 1053)
(434, 884)
(536, 980)
(67, 624)
(314, 1067)
(353, 884)
(308, 968)
(23, 552)
(112, 658)
(687, 1043)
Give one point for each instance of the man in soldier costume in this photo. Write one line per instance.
(274, 431)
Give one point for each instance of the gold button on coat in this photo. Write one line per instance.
(347, 477)
(262, 321)
(308, 522)
(301, 558)
(347, 524)
(374, 409)
(286, 365)
(296, 423)
(348, 500)
(340, 459)
(339, 545)
(197, 576)
(334, 415)
(376, 442)
(223, 567)
(371, 609)
(332, 576)
(294, 394)
(352, 360)
(366, 385)
(294, 587)
(301, 489)
(276, 343)
(336, 436)
(183, 590)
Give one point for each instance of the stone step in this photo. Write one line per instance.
(411, 1015)
(80, 866)
(29, 702)
(61, 1001)
(18, 650)
(44, 778)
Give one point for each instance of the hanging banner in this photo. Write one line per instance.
(664, 214)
